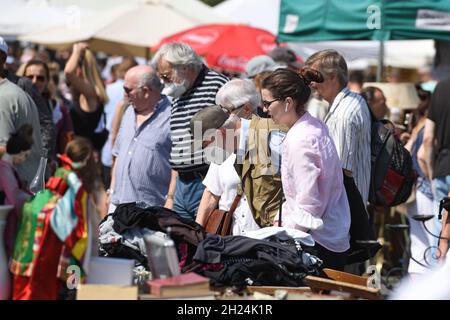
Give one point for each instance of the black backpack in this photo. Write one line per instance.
(392, 175)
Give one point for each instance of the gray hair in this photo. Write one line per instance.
(178, 54)
(238, 92)
(331, 62)
(151, 80)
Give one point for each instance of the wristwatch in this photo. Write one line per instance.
(169, 196)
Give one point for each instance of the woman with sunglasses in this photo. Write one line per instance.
(39, 74)
(311, 174)
(88, 94)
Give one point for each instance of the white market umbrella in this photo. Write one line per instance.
(129, 29)
(18, 17)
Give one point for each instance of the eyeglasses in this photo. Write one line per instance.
(229, 112)
(128, 90)
(38, 78)
(165, 77)
(266, 104)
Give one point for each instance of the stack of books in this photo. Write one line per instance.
(187, 285)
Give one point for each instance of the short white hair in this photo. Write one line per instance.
(238, 92)
(178, 54)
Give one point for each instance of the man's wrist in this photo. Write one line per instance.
(169, 197)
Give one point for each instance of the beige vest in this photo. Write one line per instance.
(262, 188)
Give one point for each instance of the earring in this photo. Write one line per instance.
(286, 107)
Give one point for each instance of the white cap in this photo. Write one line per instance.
(3, 45)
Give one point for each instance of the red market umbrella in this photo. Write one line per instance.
(225, 46)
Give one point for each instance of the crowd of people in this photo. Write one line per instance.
(278, 142)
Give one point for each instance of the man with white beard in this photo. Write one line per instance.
(193, 87)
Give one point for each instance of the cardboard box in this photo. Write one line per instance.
(106, 292)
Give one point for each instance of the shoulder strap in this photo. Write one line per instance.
(281, 210)
(236, 200)
(229, 213)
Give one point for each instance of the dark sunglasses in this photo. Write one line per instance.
(266, 104)
(128, 90)
(229, 112)
(166, 78)
(38, 78)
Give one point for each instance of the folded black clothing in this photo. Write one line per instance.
(249, 261)
(129, 215)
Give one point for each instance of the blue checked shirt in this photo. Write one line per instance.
(142, 168)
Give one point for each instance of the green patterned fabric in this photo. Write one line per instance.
(31, 224)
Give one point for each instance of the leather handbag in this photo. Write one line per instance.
(219, 221)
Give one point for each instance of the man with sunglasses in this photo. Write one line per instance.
(16, 109)
(47, 127)
(141, 169)
(193, 87)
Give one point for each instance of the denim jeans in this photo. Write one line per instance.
(187, 197)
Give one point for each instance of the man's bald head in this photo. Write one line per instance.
(144, 75)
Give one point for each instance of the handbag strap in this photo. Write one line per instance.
(229, 213)
(236, 200)
(281, 206)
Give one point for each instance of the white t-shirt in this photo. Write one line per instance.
(222, 181)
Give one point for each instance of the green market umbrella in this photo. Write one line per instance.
(324, 20)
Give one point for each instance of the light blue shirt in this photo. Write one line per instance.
(142, 169)
(276, 138)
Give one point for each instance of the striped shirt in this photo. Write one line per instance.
(201, 95)
(350, 125)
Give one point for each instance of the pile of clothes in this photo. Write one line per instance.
(237, 261)
(276, 261)
(122, 232)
